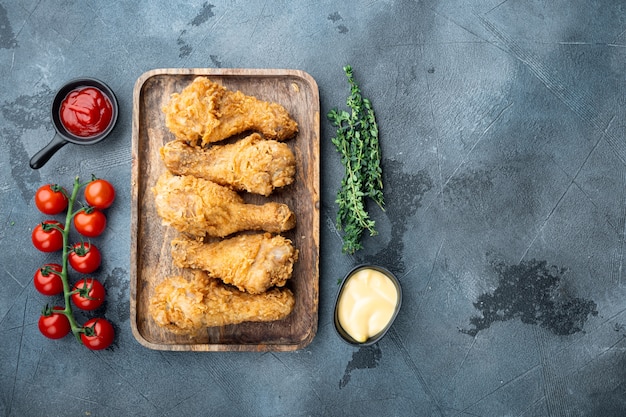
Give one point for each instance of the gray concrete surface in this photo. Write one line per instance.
(502, 129)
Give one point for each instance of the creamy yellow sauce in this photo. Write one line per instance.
(366, 304)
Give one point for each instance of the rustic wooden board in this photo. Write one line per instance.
(150, 241)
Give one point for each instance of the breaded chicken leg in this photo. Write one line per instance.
(209, 112)
(251, 164)
(200, 207)
(253, 263)
(187, 307)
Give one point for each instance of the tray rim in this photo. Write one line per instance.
(222, 72)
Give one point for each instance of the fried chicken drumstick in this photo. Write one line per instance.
(253, 263)
(200, 207)
(251, 164)
(209, 112)
(187, 307)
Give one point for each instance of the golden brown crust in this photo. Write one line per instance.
(188, 306)
(200, 207)
(251, 164)
(251, 262)
(206, 112)
(241, 278)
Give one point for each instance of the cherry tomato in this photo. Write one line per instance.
(48, 282)
(47, 238)
(99, 334)
(99, 193)
(54, 325)
(90, 222)
(90, 294)
(85, 257)
(51, 199)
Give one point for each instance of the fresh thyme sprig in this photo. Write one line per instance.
(356, 140)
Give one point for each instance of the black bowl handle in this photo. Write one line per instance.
(40, 158)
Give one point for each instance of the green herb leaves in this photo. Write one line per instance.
(356, 140)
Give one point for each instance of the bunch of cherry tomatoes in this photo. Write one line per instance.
(83, 257)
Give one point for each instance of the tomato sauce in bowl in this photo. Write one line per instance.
(86, 112)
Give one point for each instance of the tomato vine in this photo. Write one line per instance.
(69, 291)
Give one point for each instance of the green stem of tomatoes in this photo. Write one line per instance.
(67, 290)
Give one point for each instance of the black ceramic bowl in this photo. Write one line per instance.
(339, 329)
(63, 136)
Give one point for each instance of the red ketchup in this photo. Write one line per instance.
(86, 112)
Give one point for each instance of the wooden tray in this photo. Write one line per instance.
(150, 241)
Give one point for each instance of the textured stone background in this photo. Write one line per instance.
(502, 128)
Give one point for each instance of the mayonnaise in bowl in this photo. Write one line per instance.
(367, 303)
